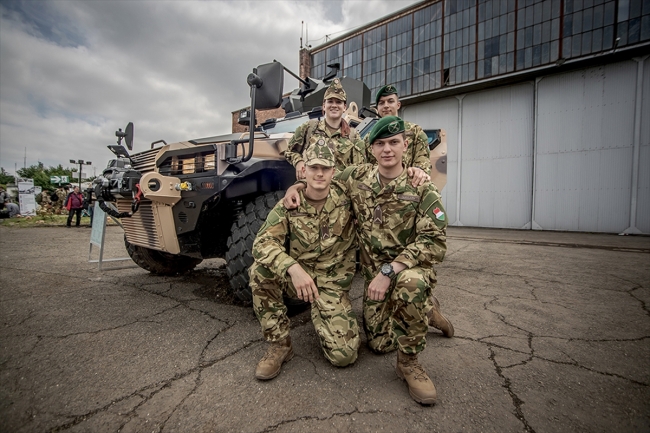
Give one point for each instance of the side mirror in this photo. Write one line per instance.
(269, 83)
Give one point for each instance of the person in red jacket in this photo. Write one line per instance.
(74, 204)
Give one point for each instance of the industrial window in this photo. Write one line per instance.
(374, 58)
(427, 48)
(398, 57)
(459, 41)
(449, 42)
(352, 57)
(588, 27)
(318, 64)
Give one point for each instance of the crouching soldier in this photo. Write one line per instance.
(317, 266)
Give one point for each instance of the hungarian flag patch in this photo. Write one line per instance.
(439, 214)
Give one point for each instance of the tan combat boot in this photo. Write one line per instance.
(438, 321)
(278, 353)
(421, 388)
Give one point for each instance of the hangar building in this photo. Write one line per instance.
(546, 104)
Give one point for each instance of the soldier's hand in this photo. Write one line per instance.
(291, 198)
(300, 170)
(418, 176)
(378, 287)
(304, 284)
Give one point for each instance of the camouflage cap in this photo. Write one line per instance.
(386, 127)
(319, 154)
(388, 89)
(335, 90)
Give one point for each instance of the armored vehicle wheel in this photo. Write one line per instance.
(239, 256)
(158, 262)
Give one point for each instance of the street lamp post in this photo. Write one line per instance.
(80, 162)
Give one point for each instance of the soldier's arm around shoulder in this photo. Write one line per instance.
(269, 246)
(421, 152)
(296, 146)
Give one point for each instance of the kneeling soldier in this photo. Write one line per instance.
(318, 267)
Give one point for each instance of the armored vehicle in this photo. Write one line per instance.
(183, 202)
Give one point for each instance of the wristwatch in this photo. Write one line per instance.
(387, 270)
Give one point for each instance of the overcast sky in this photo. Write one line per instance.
(73, 72)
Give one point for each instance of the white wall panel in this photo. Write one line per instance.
(497, 149)
(584, 149)
(441, 114)
(643, 189)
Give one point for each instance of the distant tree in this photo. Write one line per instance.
(5, 177)
(41, 174)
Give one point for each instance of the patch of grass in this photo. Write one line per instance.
(44, 221)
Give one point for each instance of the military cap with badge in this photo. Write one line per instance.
(336, 90)
(319, 154)
(388, 89)
(386, 127)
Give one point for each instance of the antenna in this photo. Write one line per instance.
(302, 31)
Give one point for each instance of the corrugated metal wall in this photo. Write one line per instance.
(583, 151)
(643, 190)
(497, 157)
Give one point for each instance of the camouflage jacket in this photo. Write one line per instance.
(45, 198)
(417, 153)
(321, 243)
(348, 150)
(62, 196)
(398, 222)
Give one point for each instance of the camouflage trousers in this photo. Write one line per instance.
(335, 322)
(399, 320)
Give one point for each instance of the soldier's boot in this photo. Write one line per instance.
(438, 320)
(278, 353)
(421, 388)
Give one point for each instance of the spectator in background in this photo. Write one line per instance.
(3, 197)
(11, 210)
(74, 204)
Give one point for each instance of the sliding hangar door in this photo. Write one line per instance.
(567, 151)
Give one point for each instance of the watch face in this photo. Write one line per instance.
(386, 269)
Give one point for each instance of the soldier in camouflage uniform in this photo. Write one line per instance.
(332, 130)
(46, 204)
(318, 267)
(62, 193)
(417, 155)
(402, 234)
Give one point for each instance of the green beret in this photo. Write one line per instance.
(386, 127)
(335, 90)
(388, 89)
(319, 153)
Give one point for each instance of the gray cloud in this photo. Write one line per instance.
(72, 72)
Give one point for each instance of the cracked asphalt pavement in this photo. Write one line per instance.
(552, 335)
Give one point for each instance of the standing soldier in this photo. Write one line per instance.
(317, 266)
(46, 203)
(332, 130)
(402, 234)
(62, 194)
(417, 153)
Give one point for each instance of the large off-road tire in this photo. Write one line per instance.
(239, 256)
(158, 262)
